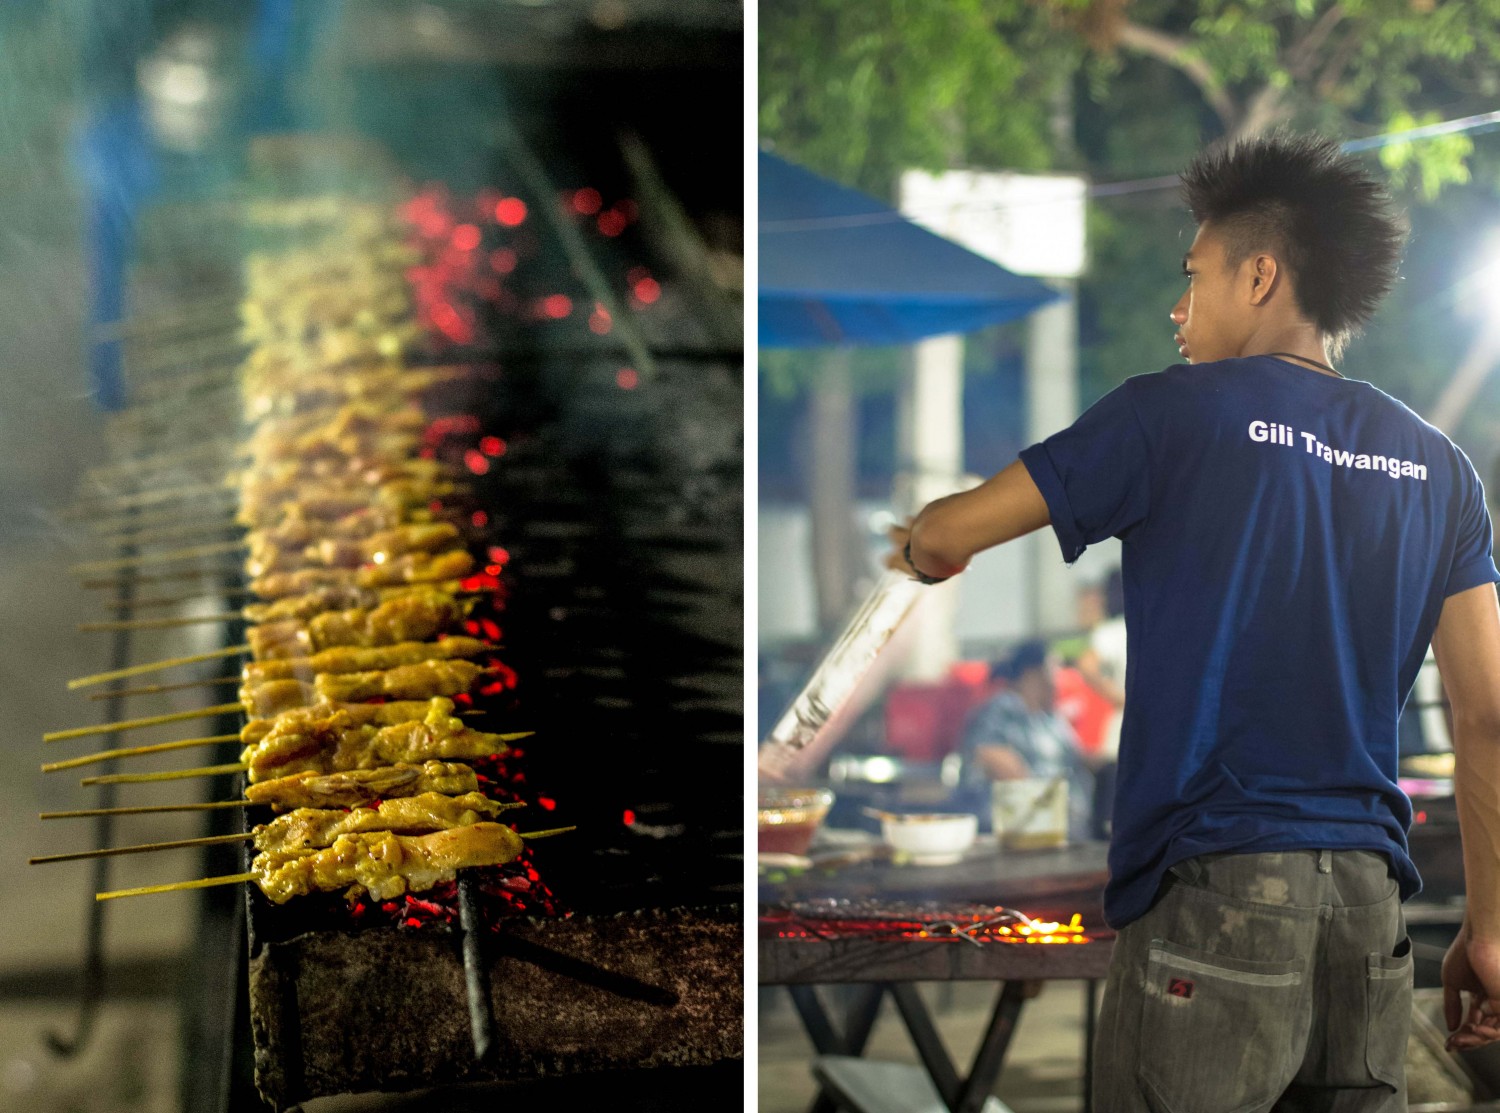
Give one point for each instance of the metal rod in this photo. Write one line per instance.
(577, 251)
(476, 969)
(67, 1046)
(680, 240)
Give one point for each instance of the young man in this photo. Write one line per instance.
(1293, 539)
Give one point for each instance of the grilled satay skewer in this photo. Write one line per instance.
(423, 680)
(337, 745)
(314, 828)
(344, 659)
(350, 552)
(337, 738)
(382, 864)
(354, 788)
(409, 618)
(413, 568)
(303, 608)
(355, 658)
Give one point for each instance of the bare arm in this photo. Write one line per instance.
(949, 531)
(1000, 762)
(1093, 675)
(1467, 645)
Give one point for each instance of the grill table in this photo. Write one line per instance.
(801, 953)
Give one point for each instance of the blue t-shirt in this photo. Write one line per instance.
(1289, 539)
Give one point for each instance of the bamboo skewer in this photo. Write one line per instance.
(212, 840)
(157, 689)
(189, 552)
(147, 498)
(183, 313)
(164, 577)
(178, 600)
(141, 848)
(159, 623)
(175, 516)
(205, 882)
(145, 809)
(154, 666)
(167, 533)
(173, 886)
(162, 461)
(137, 751)
(169, 775)
(148, 721)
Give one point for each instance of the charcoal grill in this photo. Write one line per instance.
(875, 930)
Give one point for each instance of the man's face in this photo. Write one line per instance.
(1212, 314)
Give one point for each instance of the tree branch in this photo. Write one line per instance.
(1300, 58)
(1179, 53)
(1343, 54)
(1266, 109)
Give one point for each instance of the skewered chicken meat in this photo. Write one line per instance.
(414, 568)
(423, 680)
(337, 744)
(313, 828)
(363, 786)
(413, 618)
(382, 864)
(363, 659)
(339, 598)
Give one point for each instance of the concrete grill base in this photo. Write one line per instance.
(385, 1009)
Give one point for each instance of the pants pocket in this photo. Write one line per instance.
(1215, 1031)
(1388, 981)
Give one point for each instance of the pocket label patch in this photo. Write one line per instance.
(1180, 987)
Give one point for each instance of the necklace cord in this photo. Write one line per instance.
(1305, 359)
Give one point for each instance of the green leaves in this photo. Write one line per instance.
(861, 91)
(1426, 165)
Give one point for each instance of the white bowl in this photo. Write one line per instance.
(931, 840)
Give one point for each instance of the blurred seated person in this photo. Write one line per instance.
(1018, 734)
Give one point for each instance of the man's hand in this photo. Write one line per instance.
(1472, 967)
(950, 531)
(1001, 763)
(896, 560)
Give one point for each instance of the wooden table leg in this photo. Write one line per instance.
(859, 1022)
(962, 1095)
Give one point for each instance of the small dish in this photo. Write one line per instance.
(930, 839)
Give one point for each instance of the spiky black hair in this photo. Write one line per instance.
(1325, 217)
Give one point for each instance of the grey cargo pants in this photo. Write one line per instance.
(1260, 982)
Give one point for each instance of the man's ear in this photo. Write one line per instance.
(1263, 275)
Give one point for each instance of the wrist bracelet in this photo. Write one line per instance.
(922, 577)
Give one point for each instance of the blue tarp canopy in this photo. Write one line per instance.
(838, 267)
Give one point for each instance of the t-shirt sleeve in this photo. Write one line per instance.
(1473, 559)
(1095, 474)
